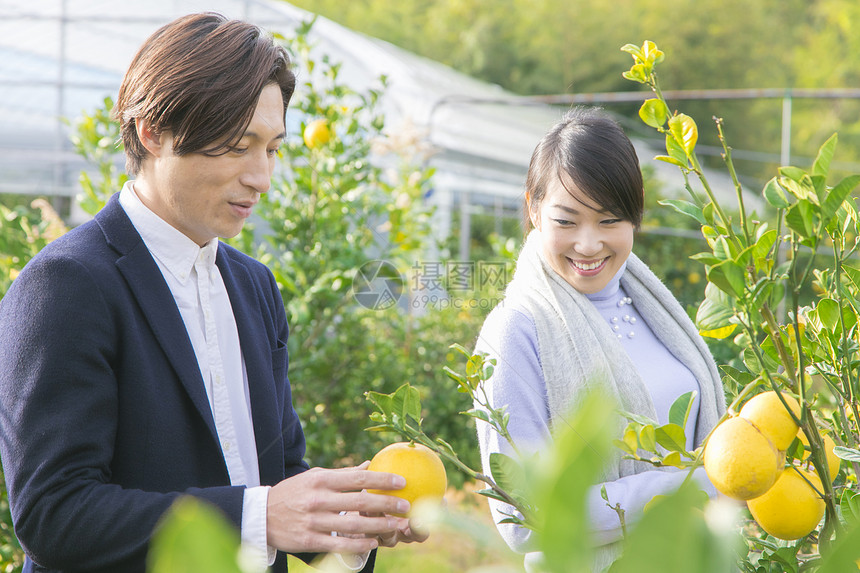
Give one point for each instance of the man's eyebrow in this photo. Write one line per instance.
(255, 135)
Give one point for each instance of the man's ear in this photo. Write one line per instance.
(151, 140)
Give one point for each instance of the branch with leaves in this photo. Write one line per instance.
(400, 412)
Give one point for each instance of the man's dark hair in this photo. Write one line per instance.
(590, 150)
(200, 78)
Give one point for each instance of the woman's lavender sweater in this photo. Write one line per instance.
(509, 335)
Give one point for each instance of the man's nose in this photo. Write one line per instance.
(258, 172)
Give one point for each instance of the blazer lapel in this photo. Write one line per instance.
(156, 302)
(257, 353)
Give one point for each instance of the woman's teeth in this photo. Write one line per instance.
(588, 266)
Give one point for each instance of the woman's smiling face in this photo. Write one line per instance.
(583, 243)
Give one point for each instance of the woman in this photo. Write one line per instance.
(583, 308)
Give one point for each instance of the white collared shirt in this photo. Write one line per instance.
(200, 293)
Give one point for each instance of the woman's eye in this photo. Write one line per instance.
(238, 150)
(563, 222)
(611, 221)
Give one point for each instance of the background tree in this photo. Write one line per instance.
(555, 47)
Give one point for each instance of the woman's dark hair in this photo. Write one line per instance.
(200, 78)
(589, 150)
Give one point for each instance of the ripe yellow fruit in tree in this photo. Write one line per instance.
(316, 133)
(424, 472)
(741, 462)
(833, 461)
(770, 416)
(790, 509)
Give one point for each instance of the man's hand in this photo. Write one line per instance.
(305, 509)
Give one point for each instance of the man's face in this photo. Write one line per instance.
(211, 196)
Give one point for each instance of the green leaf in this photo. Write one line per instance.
(478, 414)
(672, 536)
(787, 556)
(445, 446)
(729, 277)
(799, 218)
(676, 150)
(383, 402)
(508, 473)
(648, 438)
(685, 208)
(709, 213)
(803, 189)
(764, 245)
(715, 311)
(624, 446)
(194, 536)
(719, 333)
(491, 494)
(793, 173)
(739, 377)
(683, 129)
(827, 311)
(849, 504)
(679, 411)
(853, 274)
(654, 112)
(631, 439)
(406, 401)
(837, 195)
(707, 259)
(673, 459)
(849, 454)
(672, 160)
(671, 437)
(637, 73)
(824, 157)
(651, 53)
(844, 553)
(572, 467)
(795, 449)
(603, 495)
(637, 418)
(633, 50)
(775, 195)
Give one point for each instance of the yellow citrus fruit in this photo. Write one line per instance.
(790, 509)
(424, 472)
(769, 415)
(316, 133)
(833, 461)
(741, 462)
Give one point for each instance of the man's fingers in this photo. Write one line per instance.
(353, 523)
(417, 533)
(339, 544)
(306, 507)
(357, 479)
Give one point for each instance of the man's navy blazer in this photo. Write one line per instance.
(104, 419)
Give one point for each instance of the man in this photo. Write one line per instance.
(142, 360)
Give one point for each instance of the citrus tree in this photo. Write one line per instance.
(788, 444)
(799, 355)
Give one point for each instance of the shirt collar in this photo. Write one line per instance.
(173, 249)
